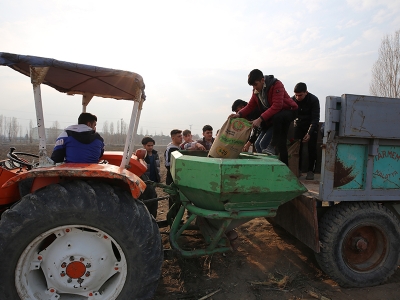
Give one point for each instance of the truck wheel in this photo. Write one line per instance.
(360, 243)
(79, 240)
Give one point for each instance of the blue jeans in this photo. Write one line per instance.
(263, 139)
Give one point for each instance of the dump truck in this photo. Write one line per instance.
(82, 231)
(351, 220)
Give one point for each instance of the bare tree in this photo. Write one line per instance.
(1, 126)
(20, 133)
(53, 131)
(105, 132)
(105, 128)
(124, 127)
(111, 141)
(386, 70)
(12, 128)
(30, 131)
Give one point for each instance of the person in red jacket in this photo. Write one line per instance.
(275, 106)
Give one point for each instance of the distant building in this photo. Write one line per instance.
(51, 134)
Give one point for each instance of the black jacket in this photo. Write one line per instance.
(156, 166)
(308, 112)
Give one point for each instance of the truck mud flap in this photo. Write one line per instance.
(299, 218)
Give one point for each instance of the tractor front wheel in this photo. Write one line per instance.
(360, 243)
(79, 240)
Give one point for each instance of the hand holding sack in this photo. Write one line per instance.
(231, 138)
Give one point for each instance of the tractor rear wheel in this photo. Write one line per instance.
(79, 240)
(360, 243)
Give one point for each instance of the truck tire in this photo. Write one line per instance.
(360, 243)
(79, 240)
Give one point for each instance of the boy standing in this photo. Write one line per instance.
(188, 143)
(152, 159)
(176, 140)
(153, 173)
(207, 139)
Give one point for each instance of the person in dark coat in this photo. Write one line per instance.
(207, 139)
(153, 173)
(152, 159)
(306, 125)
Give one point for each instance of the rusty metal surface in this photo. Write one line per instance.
(136, 185)
(299, 218)
(342, 175)
(364, 248)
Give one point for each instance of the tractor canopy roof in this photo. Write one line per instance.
(73, 78)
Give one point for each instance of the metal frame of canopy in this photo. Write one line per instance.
(86, 80)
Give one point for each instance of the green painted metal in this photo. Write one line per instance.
(222, 194)
(249, 183)
(177, 229)
(212, 224)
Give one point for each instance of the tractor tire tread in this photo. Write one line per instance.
(92, 203)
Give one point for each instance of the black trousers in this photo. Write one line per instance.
(168, 181)
(281, 122)
(299, 133)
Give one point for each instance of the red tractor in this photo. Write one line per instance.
(77, 231)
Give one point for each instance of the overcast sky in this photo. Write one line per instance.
(194, 56)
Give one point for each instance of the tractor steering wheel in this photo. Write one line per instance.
(13, 156)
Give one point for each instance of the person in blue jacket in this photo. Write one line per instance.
(79, 143)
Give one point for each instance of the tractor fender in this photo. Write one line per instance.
(46, 176)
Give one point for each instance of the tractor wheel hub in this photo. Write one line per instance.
(75, 270)
(77, 261)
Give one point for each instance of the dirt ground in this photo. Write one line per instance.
(268, 264)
